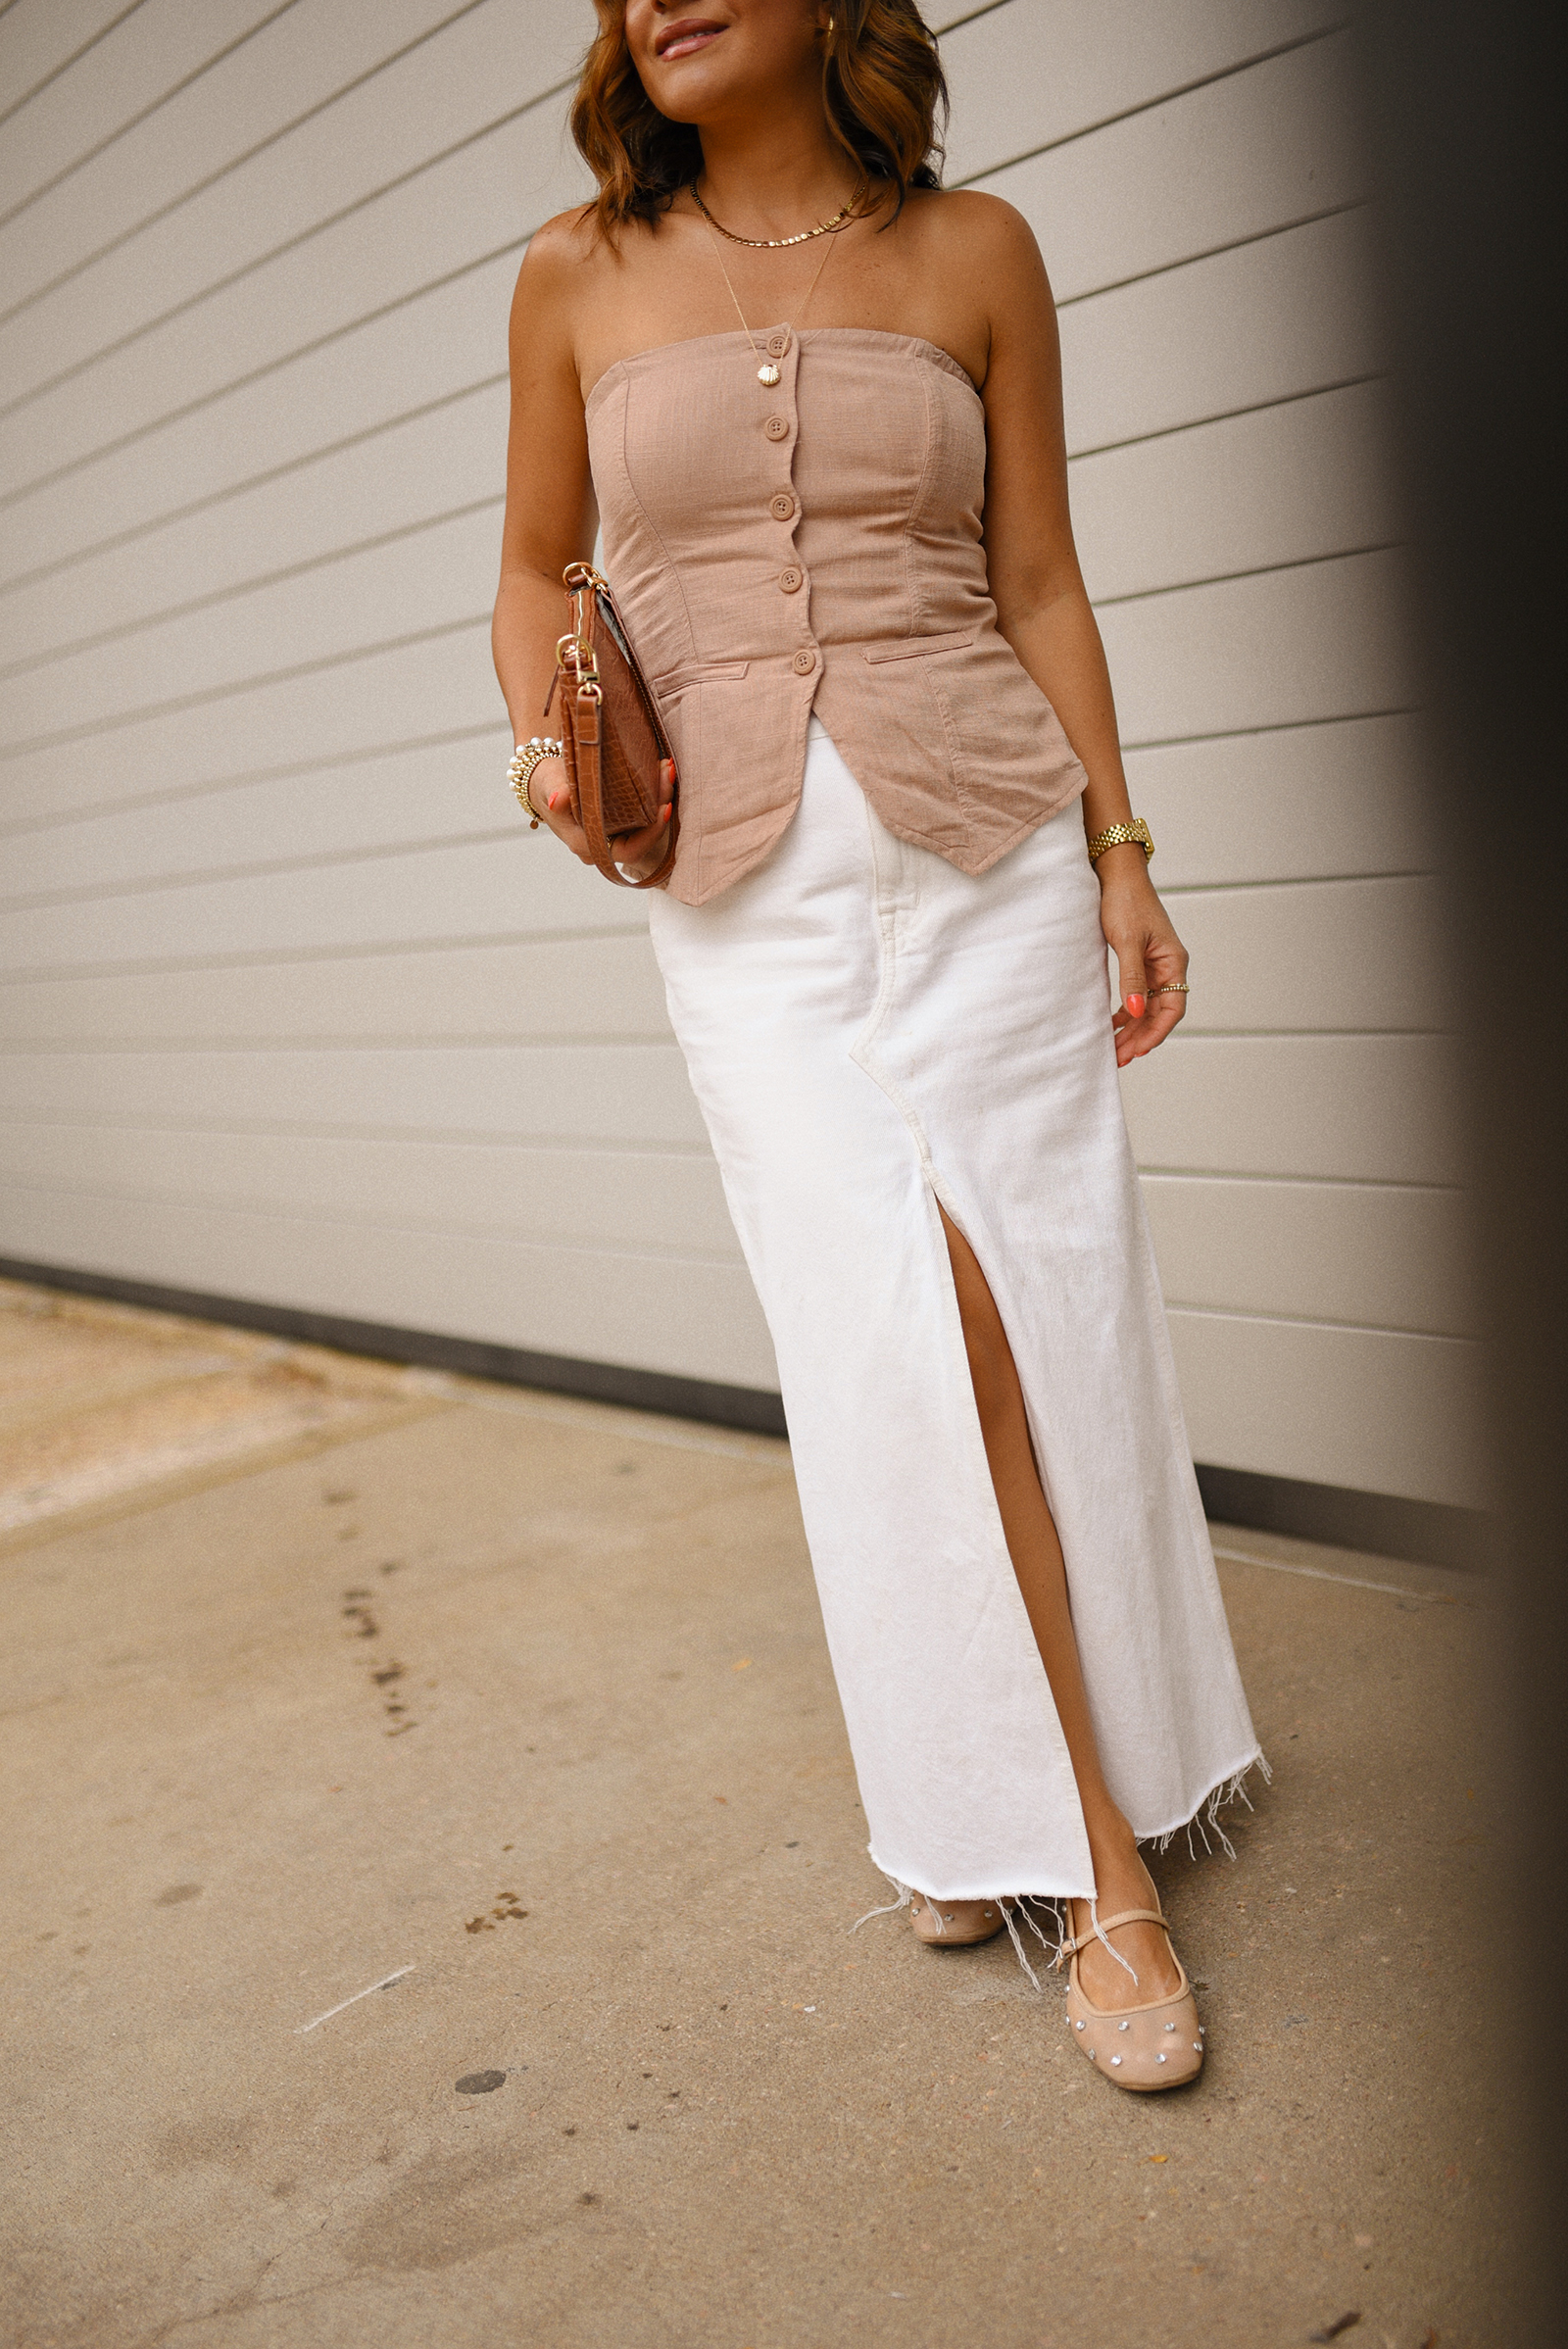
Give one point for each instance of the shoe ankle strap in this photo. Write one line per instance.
(1110, 1924)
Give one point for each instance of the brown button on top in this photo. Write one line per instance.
(778, 344)
(803, 664)
(777, 427)
(781, 507)
(789, 580)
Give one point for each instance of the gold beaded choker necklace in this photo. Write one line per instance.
(773, 244)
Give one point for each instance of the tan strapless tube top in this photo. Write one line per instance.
(816, 545)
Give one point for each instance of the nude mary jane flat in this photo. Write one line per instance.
(956, 1923)
(1158, 2045)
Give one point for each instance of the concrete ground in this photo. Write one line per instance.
(321, 1674)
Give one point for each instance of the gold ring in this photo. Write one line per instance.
(1172, 987)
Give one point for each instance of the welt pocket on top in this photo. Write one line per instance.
(700, 672)
(911, 648)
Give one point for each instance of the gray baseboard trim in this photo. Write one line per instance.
(750, 1407)
(1425, 1533)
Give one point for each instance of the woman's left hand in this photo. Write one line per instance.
(640, 853)
(636, 853)
(1150, 956)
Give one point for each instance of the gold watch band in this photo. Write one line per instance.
(1114, 834)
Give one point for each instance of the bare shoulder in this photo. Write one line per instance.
(575, 288)
(966, 230)
(561, 257)
(979, 276)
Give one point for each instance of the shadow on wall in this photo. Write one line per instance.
(1467, 139)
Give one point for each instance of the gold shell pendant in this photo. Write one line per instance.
(767, 374)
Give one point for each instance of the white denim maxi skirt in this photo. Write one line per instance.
(869, 1031)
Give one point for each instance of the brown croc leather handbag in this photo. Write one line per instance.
(612, 739)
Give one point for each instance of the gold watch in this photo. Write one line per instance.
(1114, 834)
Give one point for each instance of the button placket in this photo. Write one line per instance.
(781, 427)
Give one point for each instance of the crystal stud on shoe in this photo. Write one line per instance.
(955, 1924)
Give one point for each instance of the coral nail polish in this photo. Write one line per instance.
(1135, 1004)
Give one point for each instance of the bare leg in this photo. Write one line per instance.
(1122, 1881)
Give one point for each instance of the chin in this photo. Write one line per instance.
(694, 96)
(691, 107)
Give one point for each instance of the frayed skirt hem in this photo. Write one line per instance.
(1203, 1818)
(1201, 1821)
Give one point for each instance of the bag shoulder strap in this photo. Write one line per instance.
(587, 742)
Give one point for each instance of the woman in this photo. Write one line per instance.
(815, 403)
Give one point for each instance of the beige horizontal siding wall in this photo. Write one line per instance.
(295, 1011)
(1231, 497)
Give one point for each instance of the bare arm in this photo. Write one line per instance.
(552, 517)
(1043, 609)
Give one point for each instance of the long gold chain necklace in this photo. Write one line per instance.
(769, 370)
(776, 244)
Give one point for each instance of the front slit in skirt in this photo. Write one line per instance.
(869, 1031)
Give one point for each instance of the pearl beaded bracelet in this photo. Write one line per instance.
(524, 758)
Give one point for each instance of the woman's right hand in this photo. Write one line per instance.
(637, 853)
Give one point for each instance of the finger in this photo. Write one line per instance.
(632, 847)
(649, 833)
(570, 833)
(1134, 983)
(1138, 1034)
(1165, 987)
(1162, 968)
(566, 829)
(1125, 1032)
(1164, 1011)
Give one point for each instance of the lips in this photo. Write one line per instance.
(686, 37)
